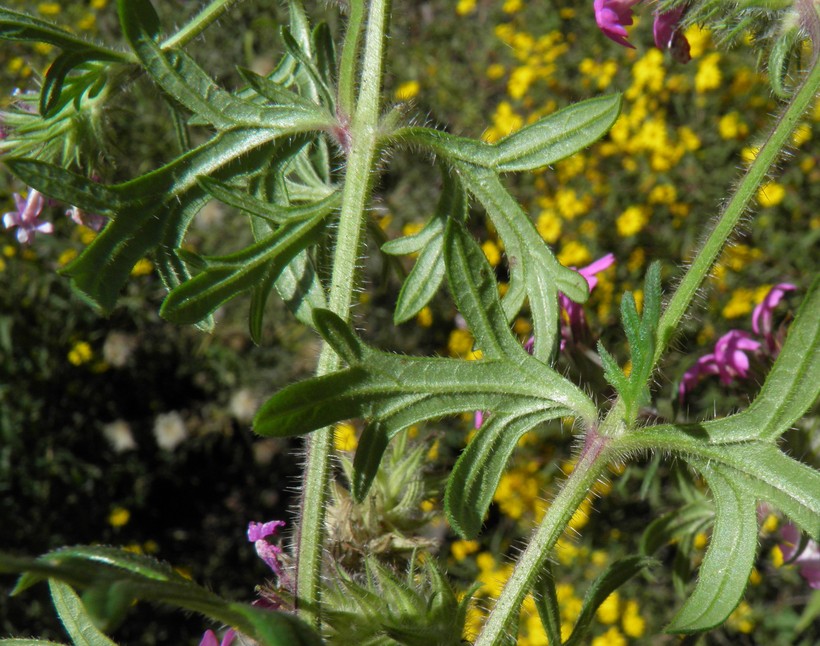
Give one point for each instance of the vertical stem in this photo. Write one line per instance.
(350, 56)
(319, 445)
(592, 462)
(775, 144)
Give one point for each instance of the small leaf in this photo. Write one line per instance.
(478, 470)
(53, 82)
(74, 616)
(548, 140)
(612, 578)
(475, 291)
(534, 271)
(23, 27)
(546, 603)
(228, 276)
(273, 91)
(372, 445)
(416, 242)
(688, 520)
(729, 559)
(781, 55)
(422, 282)
(558, 135)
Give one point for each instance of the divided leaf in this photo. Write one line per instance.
(729, 559)
(641, 332)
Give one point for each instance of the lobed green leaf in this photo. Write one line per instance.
(729, 559)
(74, 617)
(548, 140)
(227, 276)
(478, 470)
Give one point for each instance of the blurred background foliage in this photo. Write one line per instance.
(132, 432)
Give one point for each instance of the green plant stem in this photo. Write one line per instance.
(360, 162)
(198, 23)
(591, 464)
(350, 56)
(732, 214)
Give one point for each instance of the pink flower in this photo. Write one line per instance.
(270, 554)
(808, 560)
(668, 34)
(27, 217)
(730, 359)
(613, 16)
(577, 322)
(209, 638)
(93, 221)
(762, 314)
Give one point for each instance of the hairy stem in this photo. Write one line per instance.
(361, 158)
(771, 150)
(591, 463)
(199, 23)
(350, 57)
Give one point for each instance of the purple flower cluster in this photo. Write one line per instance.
(730, 359)
(614, 16)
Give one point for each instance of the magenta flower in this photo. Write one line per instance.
(613, 17)
(270, 554)
(730, 359)
(576, 320)
(808, 560)
(762, 315)
(209, 638)
(93, 221)
(669, 35)
(27, 217)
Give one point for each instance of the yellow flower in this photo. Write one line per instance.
(569, 205)
(119, 517)
(142, 268)
(730, 126)
(633, 624)
(754, 577)
(663, 194)
(769, 525)
(99, 4)
(742, 619)
(425, 317)
(609, 611)
(777, 556)
(465, 6)
(80, 353)
(66, 257)
(460, 343)
(2, 265)
(520, 81)
(407, 90)
(344, 437)
(708, 76)
(512, 6)
(87, 22)
(699, 39)
(740, 303)
(549, 225)
(495, 71)
(461, 549)
(492, 252)
(611, 637)
(632, 221)
(770, 194)
(801, 134)
(574, 254)
(505, 122)
(688, 139)
(49, 8)
(701, 540)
